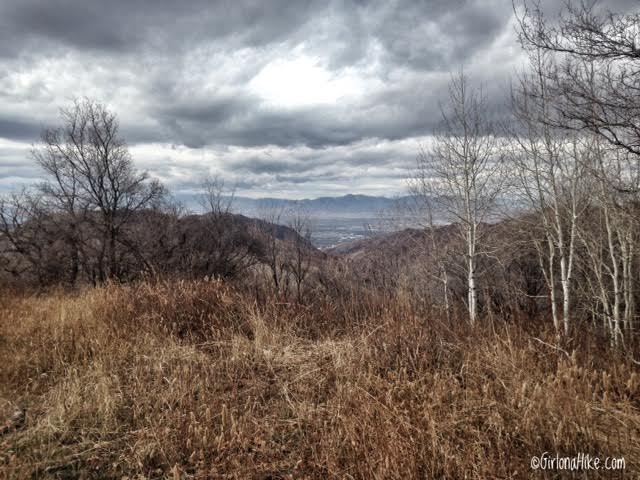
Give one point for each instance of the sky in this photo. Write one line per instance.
(290, 99)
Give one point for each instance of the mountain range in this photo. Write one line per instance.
(334, 207)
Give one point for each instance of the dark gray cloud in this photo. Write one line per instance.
(18, 129)
(277, 96)
(395, 112)
(124, 25)
(434, 35)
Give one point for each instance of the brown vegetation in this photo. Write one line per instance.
(197, 380)
(160, 344)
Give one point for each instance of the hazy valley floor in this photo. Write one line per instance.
(194, 380)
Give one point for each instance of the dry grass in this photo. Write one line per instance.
(184, 380)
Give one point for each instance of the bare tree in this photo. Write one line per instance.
(230, 249)
(26, 239)
(593, 91)
(551, 165)
(91, 170)
(272, 214)
(609, 237)
(439, 265)
(462, 174)
(608, 43)
(299, 263)
(61, 194)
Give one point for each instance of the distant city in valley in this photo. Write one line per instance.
(332, 220)
(335, 220)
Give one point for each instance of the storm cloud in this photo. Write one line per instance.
(295, 99)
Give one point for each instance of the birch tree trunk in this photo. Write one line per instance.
(462, 175)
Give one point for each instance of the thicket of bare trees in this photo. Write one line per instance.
(288, 252)
(550, 166)
(584, 89)
(299, 263)
(90, 197)
(95, 218)
(231, 249)
(566, 163)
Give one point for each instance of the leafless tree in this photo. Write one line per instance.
(91, 171)
(608, 43)
(230, 248)
(299, 263)
(462, 173)
(550, 166)
(25, 237)
(593, 91)
(438, 264)
(61, 196)
(272, 214)
(608, 237)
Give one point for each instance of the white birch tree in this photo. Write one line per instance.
(550, 167)
(464, 174)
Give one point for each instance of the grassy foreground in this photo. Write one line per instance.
(194, 380)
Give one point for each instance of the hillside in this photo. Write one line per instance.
(394, 244)
(39, 251)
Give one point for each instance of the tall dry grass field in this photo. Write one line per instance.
(195, 380)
